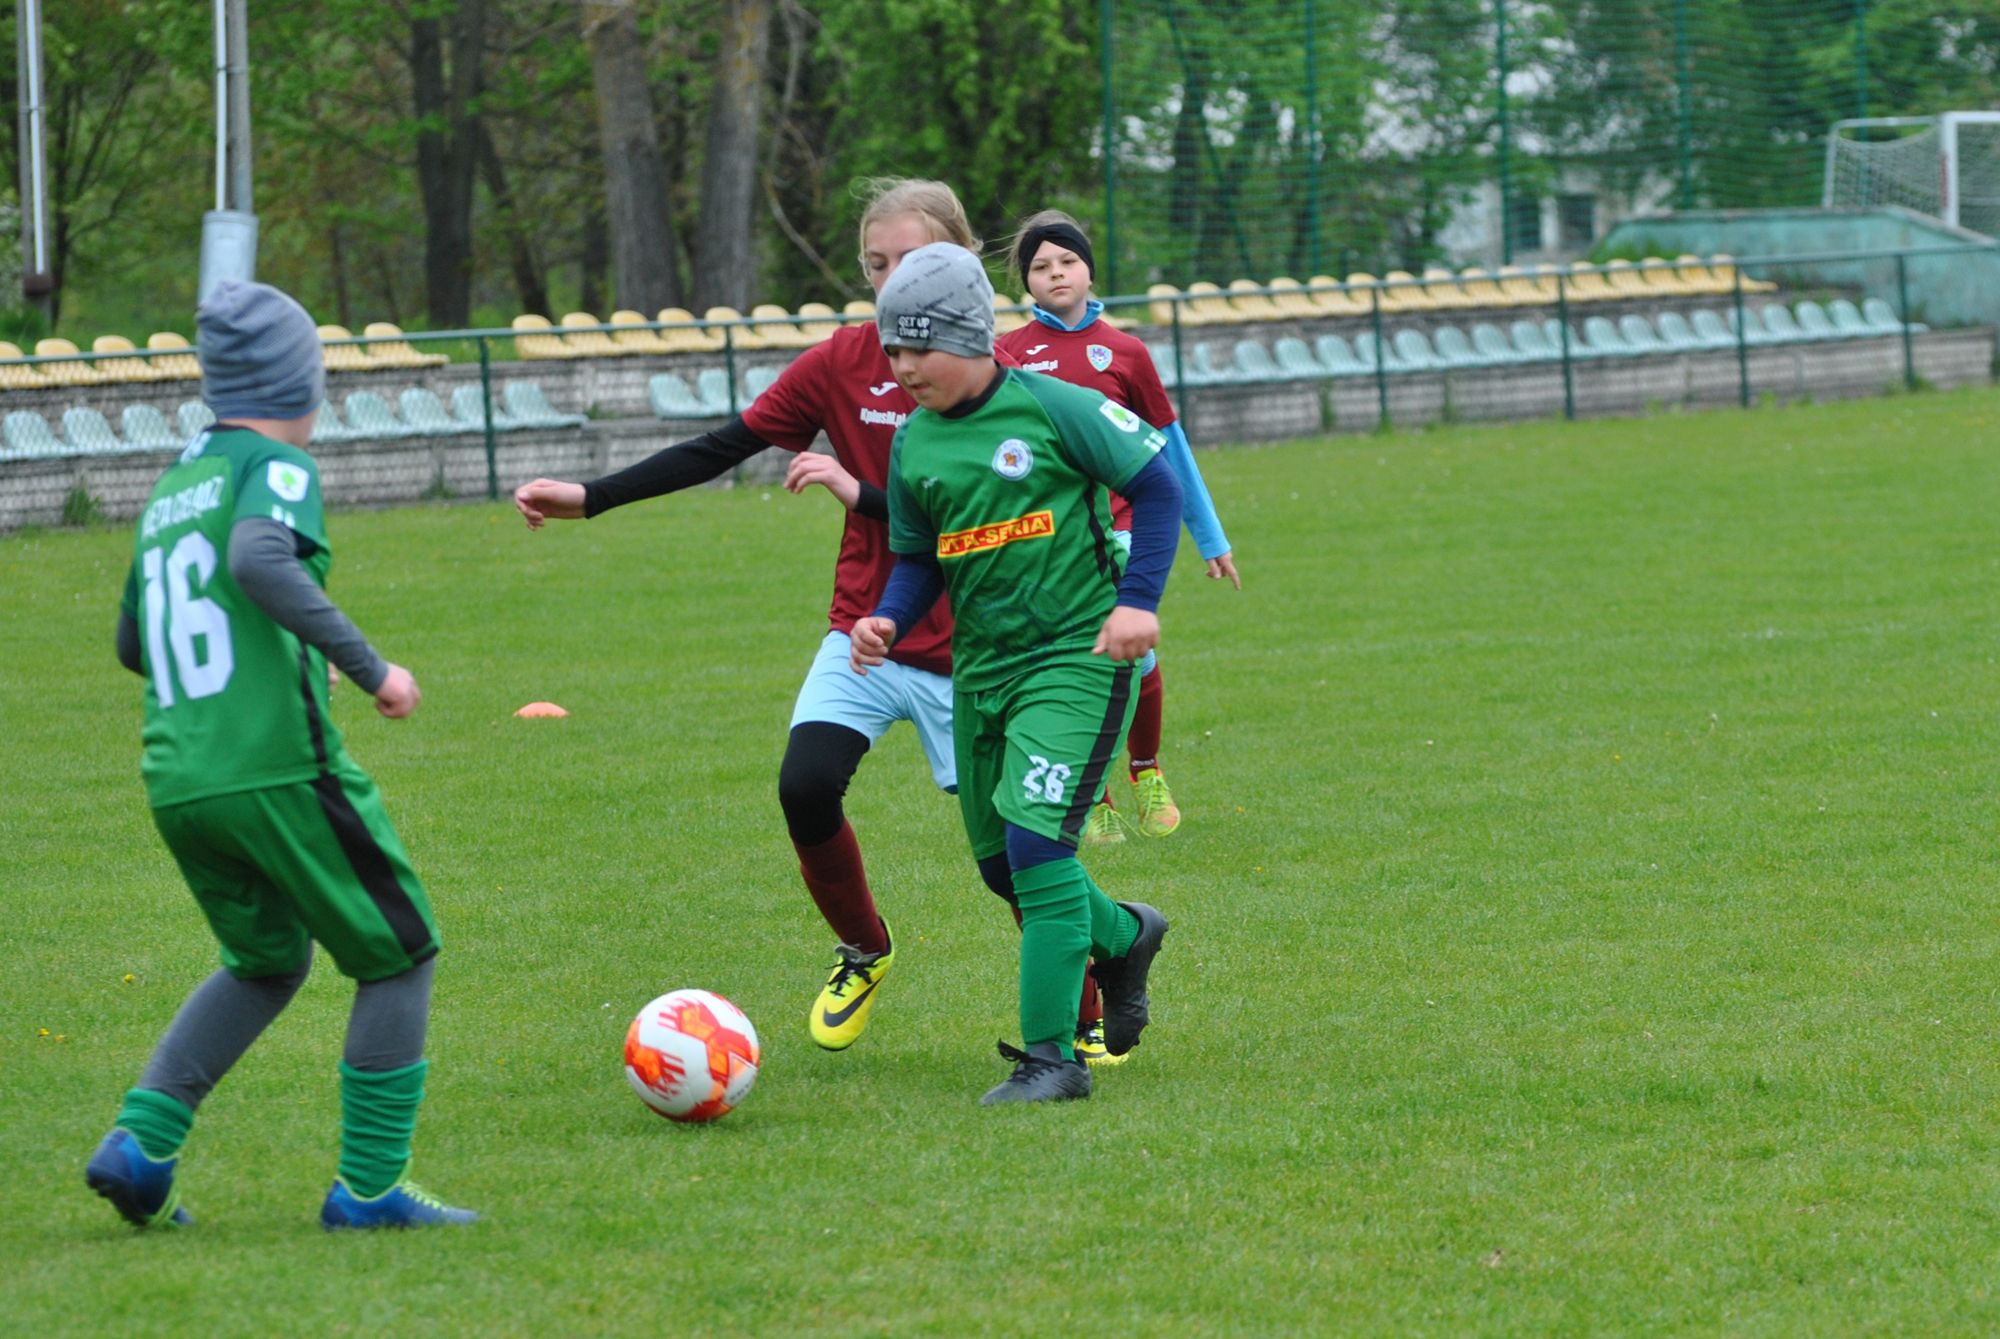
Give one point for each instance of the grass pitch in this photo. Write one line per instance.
(1583, 923)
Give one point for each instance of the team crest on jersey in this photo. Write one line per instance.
(1099, 355)
(1121, 418)
(288, 481)
(1013, 459)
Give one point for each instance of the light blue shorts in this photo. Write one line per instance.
(1123, 539)
(870, 704)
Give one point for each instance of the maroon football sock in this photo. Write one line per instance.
(1143, 739)
(839, 886)
(1090, 1008)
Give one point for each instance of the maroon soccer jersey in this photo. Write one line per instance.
(1107, 360)
(843, 386)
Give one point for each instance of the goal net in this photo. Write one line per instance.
(1945, 166)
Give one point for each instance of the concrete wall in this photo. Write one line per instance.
(1944, 290)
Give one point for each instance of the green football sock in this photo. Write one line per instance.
(378, 1114)
(160, 1123)
(1112, 928)
(1055, 944)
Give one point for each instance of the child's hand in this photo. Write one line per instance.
(1224, 566)
(870, 642)
(1128, 634)
(549, 499)
(809, 467)
(397, 695)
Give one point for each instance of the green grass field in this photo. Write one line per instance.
(1584, 923)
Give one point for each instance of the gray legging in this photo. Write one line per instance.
(224, 1015)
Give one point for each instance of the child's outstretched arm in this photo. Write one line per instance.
(915, 583)
(1198, 509)
(858, 495)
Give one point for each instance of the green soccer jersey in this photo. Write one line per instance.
(1012, 501)
(233, 701)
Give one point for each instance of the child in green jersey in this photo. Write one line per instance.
(282, 839)
(997, 493)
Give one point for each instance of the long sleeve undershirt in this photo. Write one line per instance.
(264, 563)
(696, 461)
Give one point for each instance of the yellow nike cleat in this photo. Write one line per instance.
(1158, 814)
(1090, 1045)
(1104, 827)
(840, 1014)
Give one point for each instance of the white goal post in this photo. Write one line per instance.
(1947, 166)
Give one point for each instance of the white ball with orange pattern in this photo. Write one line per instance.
(691, 1055)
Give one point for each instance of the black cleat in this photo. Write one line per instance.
(1040, 1075)
(1123, 981)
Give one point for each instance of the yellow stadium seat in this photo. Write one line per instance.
(1481, 289)
(66, 374)
(172, 358)
(1525, 288)
(1251, 305)
(638, 341)
(739, 336)
(1291, 300)
(122, 369)
(341, 357)
(18, 376)
(1664, 278)
(1722, 266)
(1586, 283)
(1208, 306)
(683, 335)
(1624, 276)
(533, 339)
(1442, 287)
(778, 330)
(582, 341)
(1331, 298)
(860, 310)
(392, 350)
(1410, 297)
(816, 322)
(1162, 306)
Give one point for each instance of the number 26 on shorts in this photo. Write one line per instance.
(1044, 782)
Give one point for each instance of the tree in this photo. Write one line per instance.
(724, 272)
(635, 194)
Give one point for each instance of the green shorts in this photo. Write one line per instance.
(1033, 752)
(318, 860)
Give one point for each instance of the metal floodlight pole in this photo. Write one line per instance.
(1684, 97)
(229, 231)
(1110, 151)
(37, 282)
(1506, 134)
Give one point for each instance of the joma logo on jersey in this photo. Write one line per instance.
(958, 543)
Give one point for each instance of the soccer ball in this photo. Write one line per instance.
(691, 1055)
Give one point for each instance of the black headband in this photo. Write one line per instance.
(1067, 234)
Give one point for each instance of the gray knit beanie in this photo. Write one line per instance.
(938, 298)
(260, 353)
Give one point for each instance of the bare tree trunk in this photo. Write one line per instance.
(635, 188)
(596, 260)
(447, 153)
(723, 264)
(529, 282)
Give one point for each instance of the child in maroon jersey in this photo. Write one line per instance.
(1068, 338)
(844, 388)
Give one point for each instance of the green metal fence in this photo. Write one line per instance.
(1307, 137)
(1388, 339)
